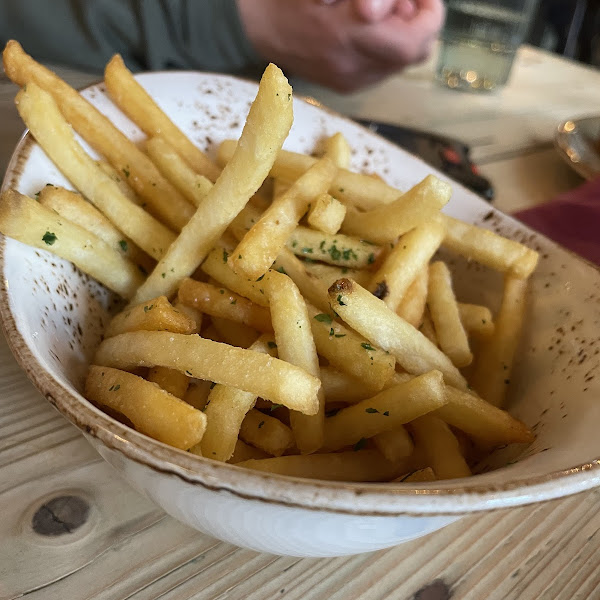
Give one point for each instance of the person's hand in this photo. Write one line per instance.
(343, 44)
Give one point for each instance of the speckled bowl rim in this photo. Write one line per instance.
(362, 499)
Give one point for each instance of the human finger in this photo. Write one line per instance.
(373, 11)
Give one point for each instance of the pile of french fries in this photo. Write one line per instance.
(285, 313)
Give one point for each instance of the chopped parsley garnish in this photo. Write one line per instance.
(261, 424)
(323, 318)
(163, 275)
(334, 252)
(282, 270)
(225, 256)
(276, 406)
(386, 413)
(123, 245)
(307, 250)
(114, 388)
(339, 300)
(49, 238)
(371, 410)
(367, 346)
(147, 308)
(221, 291)
(339, 335)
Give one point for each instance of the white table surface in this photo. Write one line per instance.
(130, 549)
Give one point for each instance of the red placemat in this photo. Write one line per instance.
(571, 219)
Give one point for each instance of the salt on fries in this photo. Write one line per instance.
(310, 332)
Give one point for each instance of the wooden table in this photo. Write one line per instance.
(130, 549)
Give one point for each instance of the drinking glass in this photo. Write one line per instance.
(479, 42)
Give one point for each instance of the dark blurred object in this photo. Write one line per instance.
(445, 154)
(569, 27)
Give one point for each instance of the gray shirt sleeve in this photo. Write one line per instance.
(150, 34)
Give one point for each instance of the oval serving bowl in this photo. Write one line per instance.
(53, 317)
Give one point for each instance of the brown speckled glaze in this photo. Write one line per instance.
(53, 316)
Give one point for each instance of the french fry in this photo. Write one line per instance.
(74, 208)
(26, 220)
(395, 444)
(385, 223)
(349, 352)
(342, 387)
(414, 301)
(192, 186)
(312, 288)
(205, 359)
(244, 451)
(234, 333)
(267, 126)
(295, 344)
(410, 255)
(156, 315)
(220, 302)
(336, 249)
(329, 274)
(170, 380)
(197, 394)
(489, 248)
(226, 408)
(152, 410)
(266, 432)
(440, 447)
(119, 179)
(387, 410)
(40, 113)
(427, 328)
(361, 191)
(451, 335)
(326, 214)
(217, 267)
(259, 248)
(166, 203)
(481, 420)
(338, 150)
(419, 476)
(364, 465)
(476, 319)
(139, 106)
(493, 369)
(370, 317)
(192, 313)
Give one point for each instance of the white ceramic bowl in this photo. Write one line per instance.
(53, 317)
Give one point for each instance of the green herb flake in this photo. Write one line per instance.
(261, 424)
(276, 406)
(225, 256)
(282, 270)
(49, 238)
(386, 413)
(148, 308)
(371, 258)
(334, 252)
(339, 300)
(360, 444)
(371, 410)
(307, 250)
(339, 335)
(221, 291)
(323, 318)
(272, 344)
(123, 245)
(126, 172)
(331, 332)
(233, 302)
(367, 346)
(163, 275)
(114, 388)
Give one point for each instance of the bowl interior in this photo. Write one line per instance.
(54, 315)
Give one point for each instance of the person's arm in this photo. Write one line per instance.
(149, 34)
